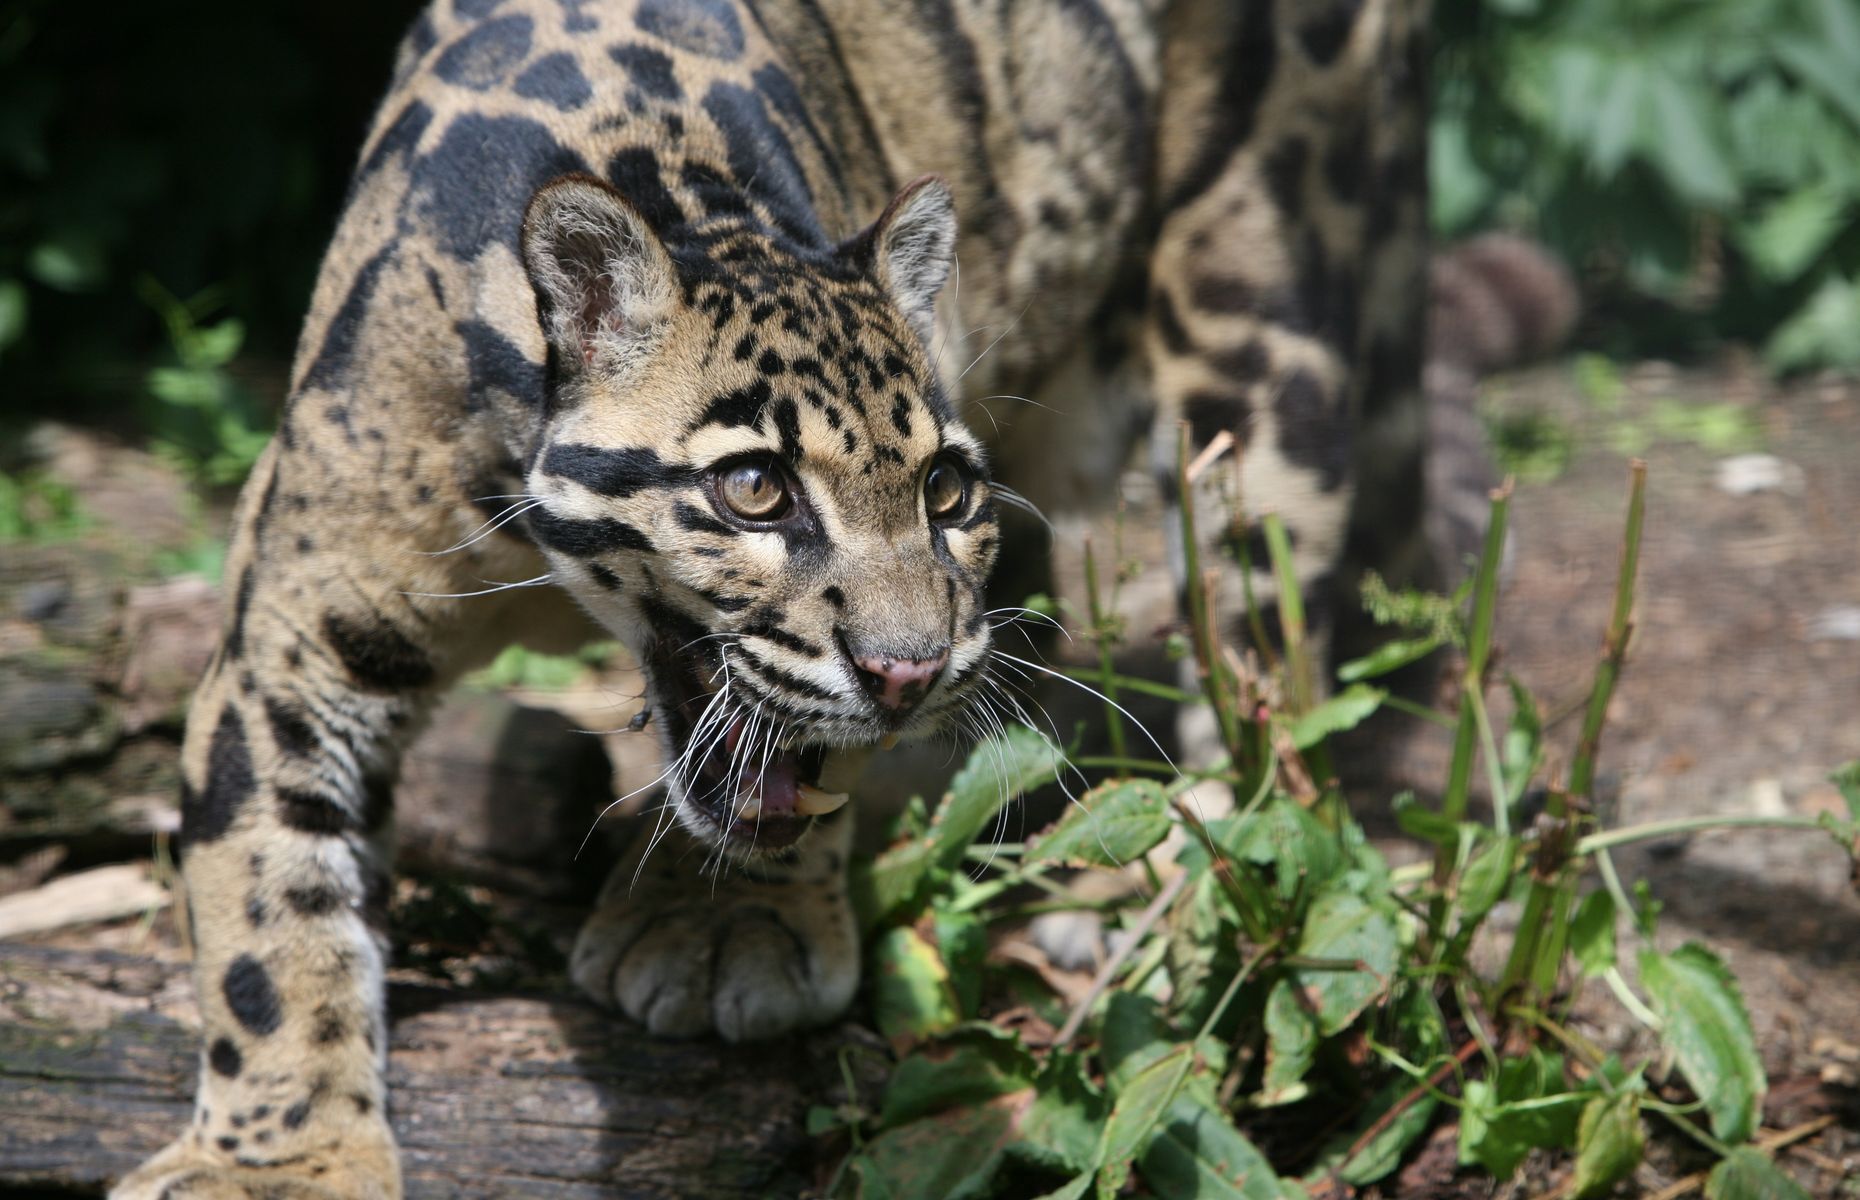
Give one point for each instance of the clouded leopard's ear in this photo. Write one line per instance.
(604, 283)
(913, 247)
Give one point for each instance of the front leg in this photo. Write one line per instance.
(292, 745)
(686, 944)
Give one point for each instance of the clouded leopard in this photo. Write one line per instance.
(726, 323)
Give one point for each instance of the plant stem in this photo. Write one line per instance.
(1103, 636)
(1113, 964)
(1610, 838)
(1615, 643)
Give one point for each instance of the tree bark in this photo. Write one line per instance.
(492, 1096)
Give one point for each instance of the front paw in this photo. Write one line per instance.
(360, 1168)
(750, 958)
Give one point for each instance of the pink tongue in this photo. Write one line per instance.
(777, 787)
(776, 783)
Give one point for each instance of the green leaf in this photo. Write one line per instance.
(1592, 933)
(1198, 1153)
(1522, 753)
(1139, 1105)
(1001, 769)
(949, 1156)
(12, 311)
(1063, 1126)
(1748, 1174)
(1497, 1135)
(1134, 1036)
(1609, 1142)
(1686, 142)
(1821, 332)
(1112, 825)
(1485, 880)
(1846, 778)
(1291, 1045)
(1346, 710)
(967, 1068)
(1705, 1024)
(70, 263)
(1790, 234)
(1390, 656)
(913, 996)
(1383, 1152)
(1294, 845)
(1344, 927)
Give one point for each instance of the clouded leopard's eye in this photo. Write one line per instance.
(754, 489)
(946, 488)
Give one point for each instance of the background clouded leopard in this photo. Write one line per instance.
(643, 302)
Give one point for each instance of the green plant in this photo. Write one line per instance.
(1284, 976)
(204, 421)
(35, 508)
(1705, 152)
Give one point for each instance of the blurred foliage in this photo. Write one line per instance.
(1701, 153)
(148, 152)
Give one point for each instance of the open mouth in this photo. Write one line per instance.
(752, 792)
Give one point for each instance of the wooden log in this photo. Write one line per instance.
(492, 1096)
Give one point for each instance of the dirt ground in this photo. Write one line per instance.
(1742, 692)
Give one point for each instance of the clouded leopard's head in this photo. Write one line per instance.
(751, 474)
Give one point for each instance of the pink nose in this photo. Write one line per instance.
(899, 684)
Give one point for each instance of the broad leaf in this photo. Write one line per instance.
(1291, 1044)
(1748, 1174)
(1199, 1154)
(1390, 656)
(1592, 933)
(1140, 1104)
(1709, 1032)
(1344, 927)
(1609, 1142)
(913, 996)
(999, 770)
(1112, 825)
(965, 1070)
(1346, 710)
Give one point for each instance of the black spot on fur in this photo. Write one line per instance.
(1284, 170)
(835, 597)
(474, 10)
(297, 1114)
(1311, 433)
(1169, 324)
(555, 79)
(604, 577)
(251, 997)
(482, 58)
(583, 538)
(764, 162)
(474, 186)
(788, 426)
(235, 637)
(650, 71)
(208, 814)
(1248, 61)
(330, 368)
(707, 27)
(1209, 413)
(1244, 363)
(495, 364)
(227, 1142)
(901, 415)
(309, 812)
(255, 913)
(397, 140)
(1223, 294)
(737, 408)
(315, 901)
(1324, 33)
(377, 655)
(635, 172)
(608, 471)
(224, 1058)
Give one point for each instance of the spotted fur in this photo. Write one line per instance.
(596, 254)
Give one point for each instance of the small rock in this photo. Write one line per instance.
(1747, 474)
(40, 601)
(1838, 624)
(1766, 799)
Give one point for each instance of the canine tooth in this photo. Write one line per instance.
(840, 769)
(810, 801)
(751, 809)
(888, 741)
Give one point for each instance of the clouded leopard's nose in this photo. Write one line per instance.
(899, 684)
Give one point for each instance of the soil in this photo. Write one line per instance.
(1741, 693)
